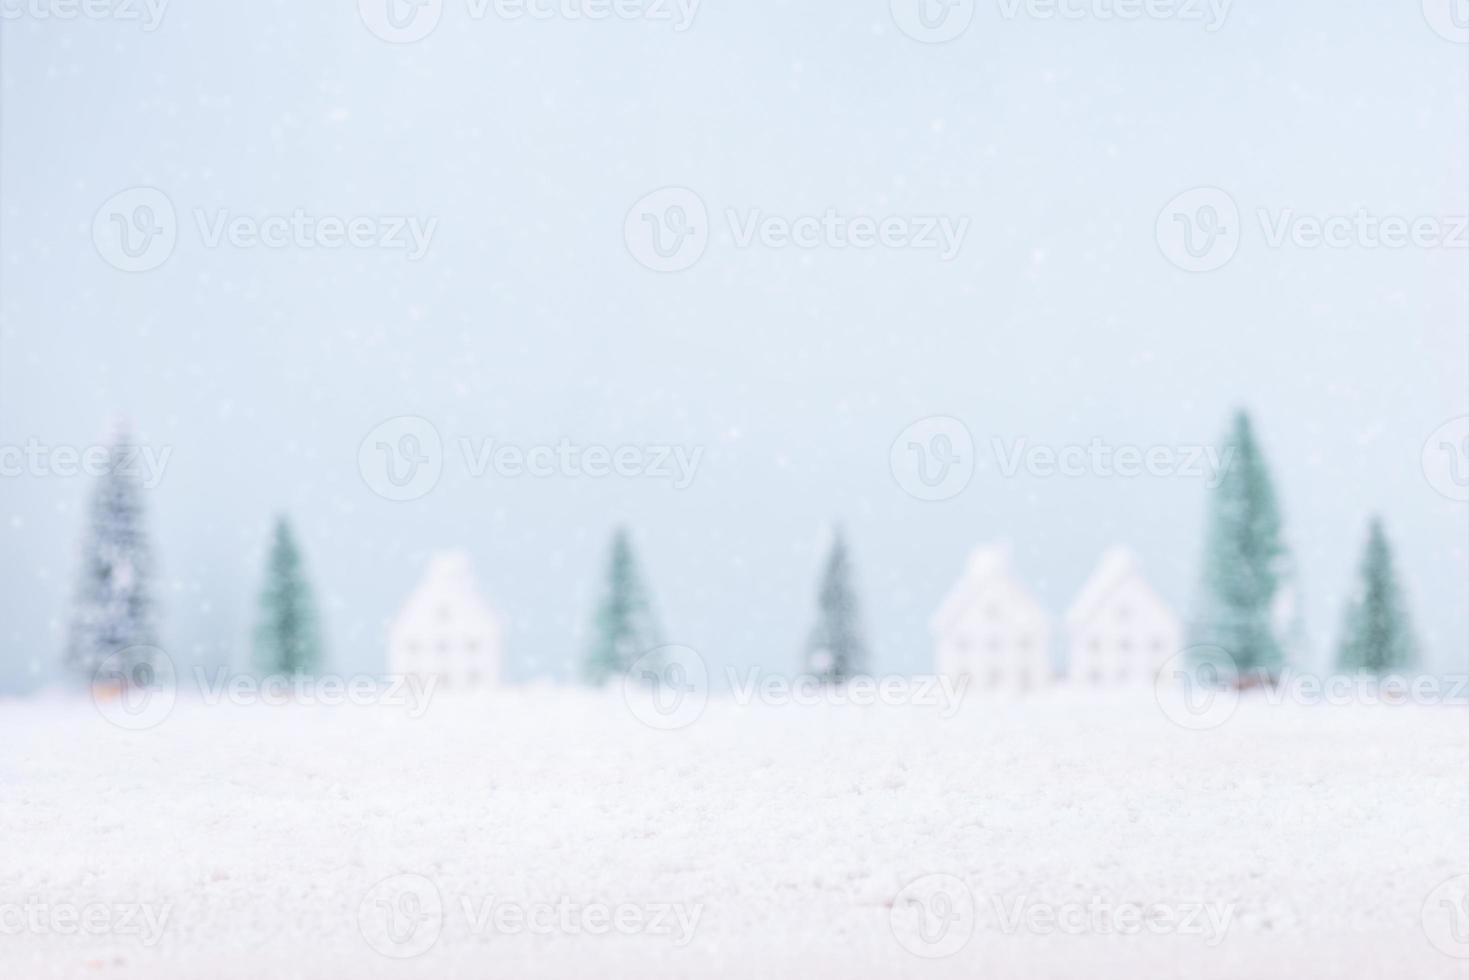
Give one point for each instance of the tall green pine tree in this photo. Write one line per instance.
(113, 615)
(1377, 637)
(836, 651)
(288, 635)
(1248, 605)
(624, 628)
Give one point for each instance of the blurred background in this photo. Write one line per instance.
(529, 320)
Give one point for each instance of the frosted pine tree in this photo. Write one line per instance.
(1248, 608)
(287, 637)
(836, 651)
(624, 628)
(112, 620)
(1377, 637)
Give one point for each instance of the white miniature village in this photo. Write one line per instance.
(993, 631)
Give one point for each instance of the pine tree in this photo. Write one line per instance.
(113, 613)
(836, 651)
(287, 636)
(624, 629)
(1377, 637)
(1248, 607)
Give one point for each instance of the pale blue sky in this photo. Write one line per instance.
(528, 321)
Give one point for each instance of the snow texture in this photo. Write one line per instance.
(792, 830)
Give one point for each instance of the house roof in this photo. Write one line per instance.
(448, 582)
(1118, 567)
(988, 569)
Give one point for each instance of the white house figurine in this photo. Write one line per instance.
(991, 628)
(1119, 630)
(446, 629)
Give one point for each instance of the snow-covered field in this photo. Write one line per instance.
(540, 833)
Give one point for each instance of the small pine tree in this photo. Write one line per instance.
(1248, 603)
(625, 628)
(287, 636)
(836, 651)
(113, 613)
(1377, 637)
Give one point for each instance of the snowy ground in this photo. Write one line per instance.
(248, 841)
